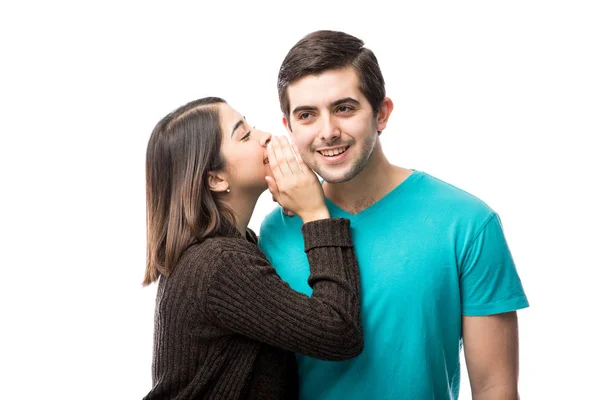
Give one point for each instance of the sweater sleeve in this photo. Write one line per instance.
(247, 296)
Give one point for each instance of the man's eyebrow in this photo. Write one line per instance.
(332, 105)
(304, 108)
(237, 125)
(345, 100)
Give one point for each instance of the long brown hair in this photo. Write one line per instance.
(180, 209)
(324, 50)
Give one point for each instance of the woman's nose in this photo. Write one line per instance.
(265, 139)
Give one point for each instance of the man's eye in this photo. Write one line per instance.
(344, 109)
(303, 116)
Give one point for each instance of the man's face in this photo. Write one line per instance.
(332, 124)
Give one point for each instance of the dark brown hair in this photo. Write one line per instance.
(324, 50)
(180, 209)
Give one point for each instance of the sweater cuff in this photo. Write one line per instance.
(330, 232)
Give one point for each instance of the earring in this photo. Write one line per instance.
(228, 190)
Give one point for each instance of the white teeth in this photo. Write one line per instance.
(335, 152)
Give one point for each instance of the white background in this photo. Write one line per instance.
(499, 98)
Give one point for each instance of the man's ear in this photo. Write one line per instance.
(217, 182)
(286, 123)
(385, 109)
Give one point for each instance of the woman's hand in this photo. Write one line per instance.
(293, 185)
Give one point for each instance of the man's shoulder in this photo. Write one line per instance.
(277, 229)
(448, 204)
(453, 196)
(277, 222)
(272, 218)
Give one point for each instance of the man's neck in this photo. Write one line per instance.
(376, 180)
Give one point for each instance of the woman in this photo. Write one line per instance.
(226, 325)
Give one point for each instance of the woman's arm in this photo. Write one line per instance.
(247, 296)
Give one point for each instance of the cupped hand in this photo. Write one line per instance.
(293, 185)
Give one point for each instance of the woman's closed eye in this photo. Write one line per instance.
(247, 135)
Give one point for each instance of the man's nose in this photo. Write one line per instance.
(329, 130)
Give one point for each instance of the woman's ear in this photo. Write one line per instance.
(217, 183)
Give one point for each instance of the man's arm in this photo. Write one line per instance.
(491, 345)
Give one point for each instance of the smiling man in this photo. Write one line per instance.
(436, 270)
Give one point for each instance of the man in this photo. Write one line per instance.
(436, 271)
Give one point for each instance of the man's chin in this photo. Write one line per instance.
(337, 177)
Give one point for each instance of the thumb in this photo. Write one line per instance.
(272, 187)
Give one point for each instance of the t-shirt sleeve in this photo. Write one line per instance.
(489, 281)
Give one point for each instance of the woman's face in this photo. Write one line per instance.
(245, 151)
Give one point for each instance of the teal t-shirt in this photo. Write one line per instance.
(428, 253)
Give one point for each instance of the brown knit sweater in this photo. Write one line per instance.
(226, 325)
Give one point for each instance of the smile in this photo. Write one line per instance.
(333, 152)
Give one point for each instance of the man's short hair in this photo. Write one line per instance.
(325, 50)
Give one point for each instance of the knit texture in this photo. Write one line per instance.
(226, 325)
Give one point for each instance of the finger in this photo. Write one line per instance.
(273, 161)
(278, 148)
(272, 185)
(299, 159)
(290, 158)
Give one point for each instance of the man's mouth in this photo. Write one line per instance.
(333, 152)
(266, 161)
